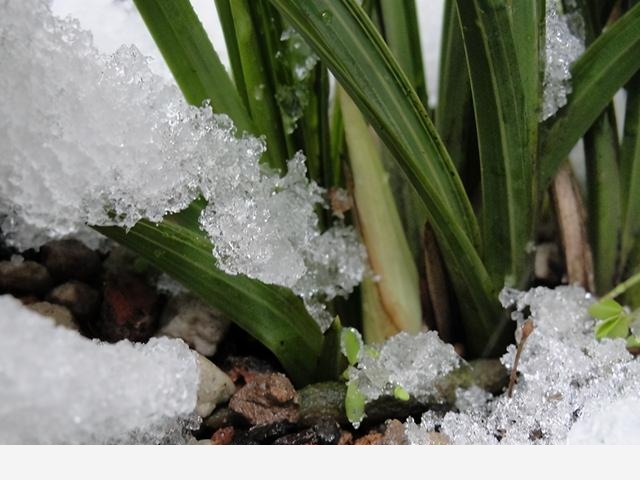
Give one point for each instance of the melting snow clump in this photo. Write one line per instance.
(615, 424)
(562, 47)
(101, 140)
(59, 387)
(569, 388)
(413, 362)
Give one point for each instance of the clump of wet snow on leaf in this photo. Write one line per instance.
(100, 140)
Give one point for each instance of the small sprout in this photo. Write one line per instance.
(605, 309)
(614, 320)
(354, 404)
(372, 351)
(400, 393)
(633, 342)
(351, 344)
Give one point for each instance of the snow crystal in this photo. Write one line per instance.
(615, 424)
(472, 398)
(562, 46)
(59, 387)
(101, 140)
(167, 285)
(565, 374)
(413, 362)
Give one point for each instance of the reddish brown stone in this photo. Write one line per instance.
(223, 436)
(243, 370)
(394, 434)
(371, 438)
(346, 438)
(267, 398)
(129, 310)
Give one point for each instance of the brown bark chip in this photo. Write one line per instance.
(266, 398)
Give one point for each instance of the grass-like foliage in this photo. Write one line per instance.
(462, 189)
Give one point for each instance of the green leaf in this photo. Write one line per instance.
(354, 404)
(351, 343)
(633, 342)
(271, 314)
(186, 48)
(340, 32)
(402, 33)
(223, 7)
(344, 37)
(501, 70)
(606, 66)
(616, 327)
(630, 173)
(257, 54)
(604, 199)
(331, 362)
(603, 174)
(454, 111)
(372, 351)
(614, 322)
(401, 394)
(605, 309)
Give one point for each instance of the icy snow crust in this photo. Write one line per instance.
(413, 362)
(561, 48)
(567, 388)
(59, 387)
(101, 140)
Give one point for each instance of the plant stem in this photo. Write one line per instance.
(623, 287)
(392, 303)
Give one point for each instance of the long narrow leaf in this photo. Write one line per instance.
(606, 66)
(630, 173)
(454, 110)
(340, 32)
(603, 199)
(255, 56)
(506, 122)
(400, 24)
(223, 7)
(189, 54)
(273, 315)
(603, 177)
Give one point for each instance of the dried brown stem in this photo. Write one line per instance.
(525, 330)
(571, 216)
(437, 285)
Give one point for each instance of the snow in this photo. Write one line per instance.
(101, 140)
(59, 387)
(413, 362)
(615, 424)
(113, 23)
(563, 45)
(570, 384)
